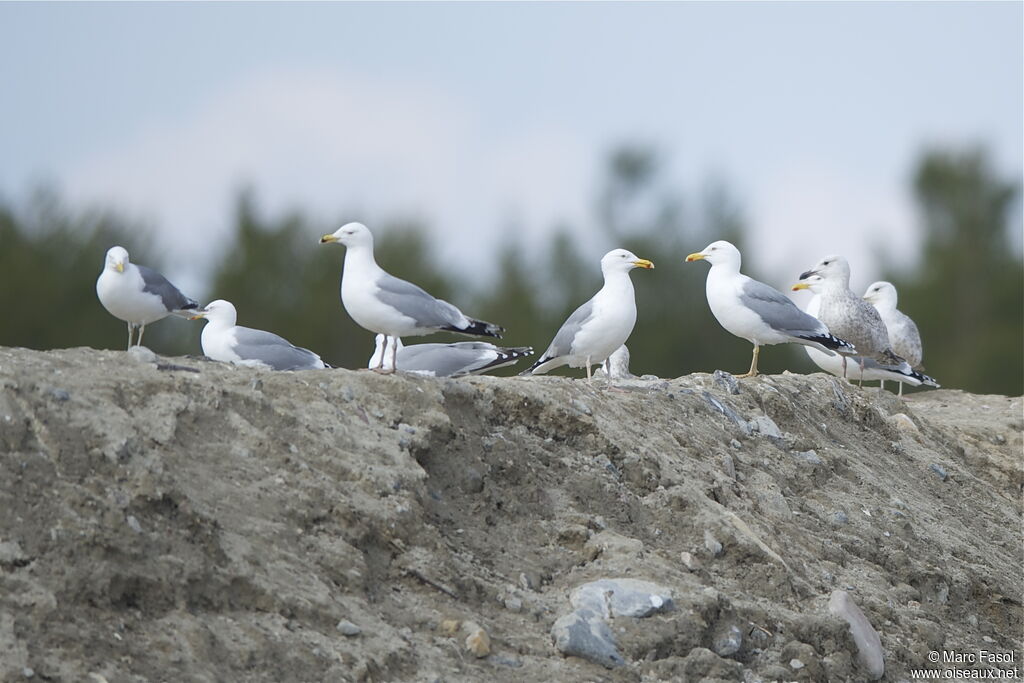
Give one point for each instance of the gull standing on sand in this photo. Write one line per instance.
(137, 294)
(848, 315)
(384, 304)
(224, 341)
(867, 368)
(600, 326)
(903, 334)
(447, 360)
(754, 311)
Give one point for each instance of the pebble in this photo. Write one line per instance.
(142, 354)
(736, 444)
(582, 407)
(726, 382)
(477, 641)
(59, 394)
(134, 525)
(513, 604)
(689, 561)
(796, 664)
(728, 466)
(728, 641)
(937, 469)
(902, 422)
(347, 628)
(27, 672)
(583, 633)
(712, 543)
(810, 456)
(765, 426)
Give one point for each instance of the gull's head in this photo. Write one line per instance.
(623, 260)
(220, 311)
(832, 269)
(117, 259)
(813, 282)
(881, 293)
(351, 235)
(717, 252)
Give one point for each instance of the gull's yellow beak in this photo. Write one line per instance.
(197, 315)
(695, 257)
(327, 239)
(800, 285)
(643, 263)
(120, 267)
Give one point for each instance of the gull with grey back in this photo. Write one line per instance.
(385, 304)
(225, 341)
(137, 294)
(447, 360)
(754, 311)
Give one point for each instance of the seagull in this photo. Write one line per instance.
(224, 341)
(849, 315)
(137, 294)
(384, 304)
(600, 326)
(616, 366)
(903, 334)
(754, 311)
(868, 368)
(448, 360)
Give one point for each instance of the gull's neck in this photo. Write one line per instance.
(360, 257)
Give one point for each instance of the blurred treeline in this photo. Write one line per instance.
(965, 291)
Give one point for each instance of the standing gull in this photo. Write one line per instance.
(600, 326)
(137, 294)
(867, 368)
(224, 341)
(756, 312)
(384, 304)
(903, 334)
(848, 315)
(447, 360)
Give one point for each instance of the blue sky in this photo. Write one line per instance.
(478, 116)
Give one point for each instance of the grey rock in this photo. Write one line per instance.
(869, 645)
(581, 407)
(513, 604)
(510, 662)
(726, 381)
(810, 456)
(840, 517)
(134, 525)
(347, 628)
(735, 444)
(622, 597)
(529, 580)
(712, 544)
(765, 426)
(938, 470)
(728, 641)
(472, 481)
(583, 633)
(728, 466)
(796, 664)
(59, 395)
(27, 672)
(725, 409)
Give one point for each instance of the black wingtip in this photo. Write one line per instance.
(830, 341)
(480, 329)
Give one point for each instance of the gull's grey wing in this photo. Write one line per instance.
(460, 358)
(778, 311)
(155, 283)
(275, 351)
(561, 345)
(415, 303)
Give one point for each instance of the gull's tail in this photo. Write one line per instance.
(478, 328)
(506, 356)
(830, 341)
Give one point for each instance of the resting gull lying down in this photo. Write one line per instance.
(384, 304)
(756, 312)
(600, 326)
(224, 341)
(137, 294)
(447, 360)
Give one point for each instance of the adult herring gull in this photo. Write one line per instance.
(600, 326)
(756, 312)
(385, 304)
(137, 294)
(447, 360)
(225, 341)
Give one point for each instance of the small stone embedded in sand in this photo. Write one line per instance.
(869, 645)
(449, 627)
(765, 426)
(134, 525)
(902, 422)
(727, 641)
(347, 628)
(622, 597)
(939, 471)
(726, 381)
(712, 544)
(796, 664)
(583, 633)
(477, 641)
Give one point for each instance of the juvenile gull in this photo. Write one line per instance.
(903, 334)
(137, 294)
(600, 326)
(384, 304)
(866, 368)
(224, 341)
(848, 315)
(447, 360)
(756, 312)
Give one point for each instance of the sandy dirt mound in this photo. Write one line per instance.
(182, 520)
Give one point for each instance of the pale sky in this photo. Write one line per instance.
(477, 116)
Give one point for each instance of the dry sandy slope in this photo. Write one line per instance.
(158, 524)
